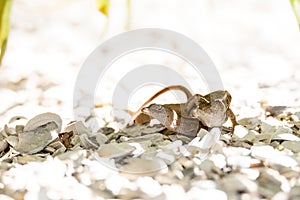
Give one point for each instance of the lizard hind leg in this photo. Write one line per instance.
(138, 114)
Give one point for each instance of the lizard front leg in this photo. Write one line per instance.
(232, 118)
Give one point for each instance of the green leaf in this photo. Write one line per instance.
(103, 6)
(128, 20)
(296, 8)
(5, 7)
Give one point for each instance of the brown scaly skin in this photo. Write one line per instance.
(172, 120)
(140, 118)
(212, 109)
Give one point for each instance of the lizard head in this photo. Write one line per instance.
(162, 113)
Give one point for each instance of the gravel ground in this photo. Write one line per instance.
(254, 45)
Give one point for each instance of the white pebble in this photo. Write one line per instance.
(149, 186)
(264, 152)
(283, 160)
(174, 192)
(219, 160)
(116, 183)
(169, 159)
(240, 131)
(196, 193)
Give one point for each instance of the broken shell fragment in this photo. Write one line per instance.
(271, 182)
(114, 150)
(12, 140)
(43, 119)
(88, 142)
(154, 137)
(3, 145)
(92, 141)
(56, 145)
(16, 118)
(292, 145)
(101, 138)
(9, 131)
(106, 130)
(77, 128)
(143, 167)
(143, 129)
(19, 129)
(249, 123)
(56, 148)
(34, 141)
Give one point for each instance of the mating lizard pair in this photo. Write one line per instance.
(209, 111)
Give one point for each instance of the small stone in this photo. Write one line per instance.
(281, 196)
(282, 160)
(115, 183)
(195, 193)
(205, 184)
(271, 182)
(292, 145)
(294, 194)
(285, 133)
(174, 191)
(252, 174)
(276, 110)
(250, 136)
(149, 186)
(286, 136)
(234, 183)
(208, 141)
(202, 132)
(168, 158)
(219, 160)
(174, 146)
(250, 123)
(241, 161)
(240, 131)
(235, 151)
(264, 152)
(106, 130)
(297, 114)
(267, 128)
(210, 169)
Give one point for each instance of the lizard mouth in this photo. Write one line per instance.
(145, 110)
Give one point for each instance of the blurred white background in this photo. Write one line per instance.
(254, 44)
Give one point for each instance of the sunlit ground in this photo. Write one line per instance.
(254, 45)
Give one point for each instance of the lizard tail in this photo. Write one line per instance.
(166, 89)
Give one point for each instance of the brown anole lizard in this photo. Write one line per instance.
(212, 110)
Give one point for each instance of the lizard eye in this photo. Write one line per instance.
(158, 107)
